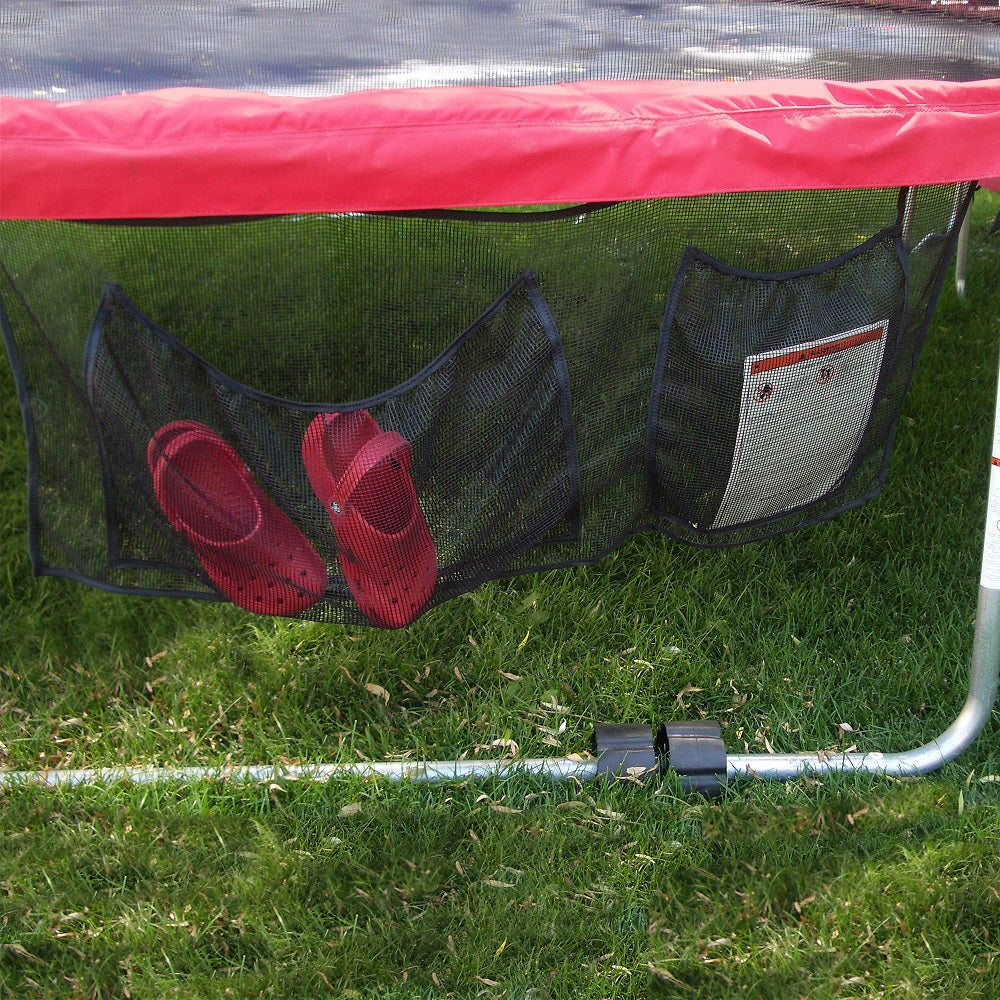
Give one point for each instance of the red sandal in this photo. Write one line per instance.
(360, 473)
(251, 551)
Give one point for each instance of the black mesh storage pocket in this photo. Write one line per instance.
(767, 401)
(369, 511)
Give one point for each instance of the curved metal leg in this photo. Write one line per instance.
(983, 677)
(953, 741)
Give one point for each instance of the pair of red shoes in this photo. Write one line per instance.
(260, 560)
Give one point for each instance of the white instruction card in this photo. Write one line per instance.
(803, 411)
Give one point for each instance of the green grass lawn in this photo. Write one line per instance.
(845, 887)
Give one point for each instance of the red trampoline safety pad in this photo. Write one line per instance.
(184, 153)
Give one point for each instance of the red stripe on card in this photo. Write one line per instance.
(820, 350)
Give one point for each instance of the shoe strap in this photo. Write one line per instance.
(381, 448)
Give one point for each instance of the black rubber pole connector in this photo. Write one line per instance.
(696, 753)
(625, 753)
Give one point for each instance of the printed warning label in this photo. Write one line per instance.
(803, 411)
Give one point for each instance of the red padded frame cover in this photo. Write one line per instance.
(191, 152)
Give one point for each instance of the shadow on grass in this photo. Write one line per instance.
(893, 892)
(352, 889)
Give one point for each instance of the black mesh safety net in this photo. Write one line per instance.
(356, 416)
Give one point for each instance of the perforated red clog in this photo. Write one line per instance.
(159, 441)
(251, 551)
(360, 474)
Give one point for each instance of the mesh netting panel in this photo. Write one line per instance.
(353, 417)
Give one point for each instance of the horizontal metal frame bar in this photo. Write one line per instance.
(983, 685)
(553, 768)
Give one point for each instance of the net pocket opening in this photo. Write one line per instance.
(399, 501)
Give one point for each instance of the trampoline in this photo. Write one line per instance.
(341, 311)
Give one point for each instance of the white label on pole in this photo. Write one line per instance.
(802, 413)
(991, 547)
(990, 576)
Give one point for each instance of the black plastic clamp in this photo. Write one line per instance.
(696, 753)
(625, 753)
